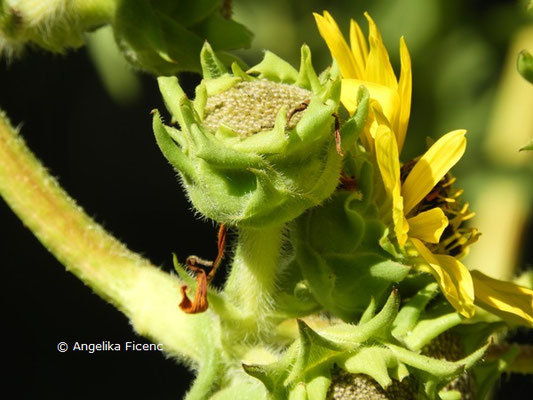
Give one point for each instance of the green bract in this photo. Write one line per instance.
(340, 248)
(257, 148)
(365, 360)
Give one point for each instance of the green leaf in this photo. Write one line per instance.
(525, 65)
(186, 12)
(142, 34)
(222, 33)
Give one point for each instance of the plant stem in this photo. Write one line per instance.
(147, 295)
(252, 281)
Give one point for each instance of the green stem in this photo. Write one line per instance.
(147, 295)
(252, 281)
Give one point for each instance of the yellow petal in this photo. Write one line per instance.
(378, 66)
(389, 166)
(386, 97)
(505, 299)
(428, 225)
(329, 30)
(404, 93)
(359, 46)
(453, 278)
(432, 167)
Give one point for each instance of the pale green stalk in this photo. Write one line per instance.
(252, 281)
(147, 295)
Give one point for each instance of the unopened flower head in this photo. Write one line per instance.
(257, 148)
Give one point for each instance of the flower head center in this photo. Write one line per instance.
(252, 107)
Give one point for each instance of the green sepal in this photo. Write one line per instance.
(377, 327)
(170, 150)
(441, 371)
(352, 128)
(525, 65)
(410, 313)
(176, 101)
(307, 77)
(313, 350)
(438, 368)
(317, 382)
(307, 363)
(238, 72)
(370, 311)
(212, 67)
(377, 362)
(274, 68)
(428, 329)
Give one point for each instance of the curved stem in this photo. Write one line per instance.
(147, 295)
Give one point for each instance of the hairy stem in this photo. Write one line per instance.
(252, 281)
(147, 295)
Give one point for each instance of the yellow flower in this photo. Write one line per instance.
(507, 300)
(426, 226)
(418, 223)
(369, 65)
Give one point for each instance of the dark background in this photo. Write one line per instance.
(105, 156)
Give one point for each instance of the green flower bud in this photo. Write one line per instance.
(256, 148)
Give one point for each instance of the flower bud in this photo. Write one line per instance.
(256, 148)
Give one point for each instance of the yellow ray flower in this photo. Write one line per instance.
(369, 65)
(426, 226)
(418, 219)
(505, 299)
